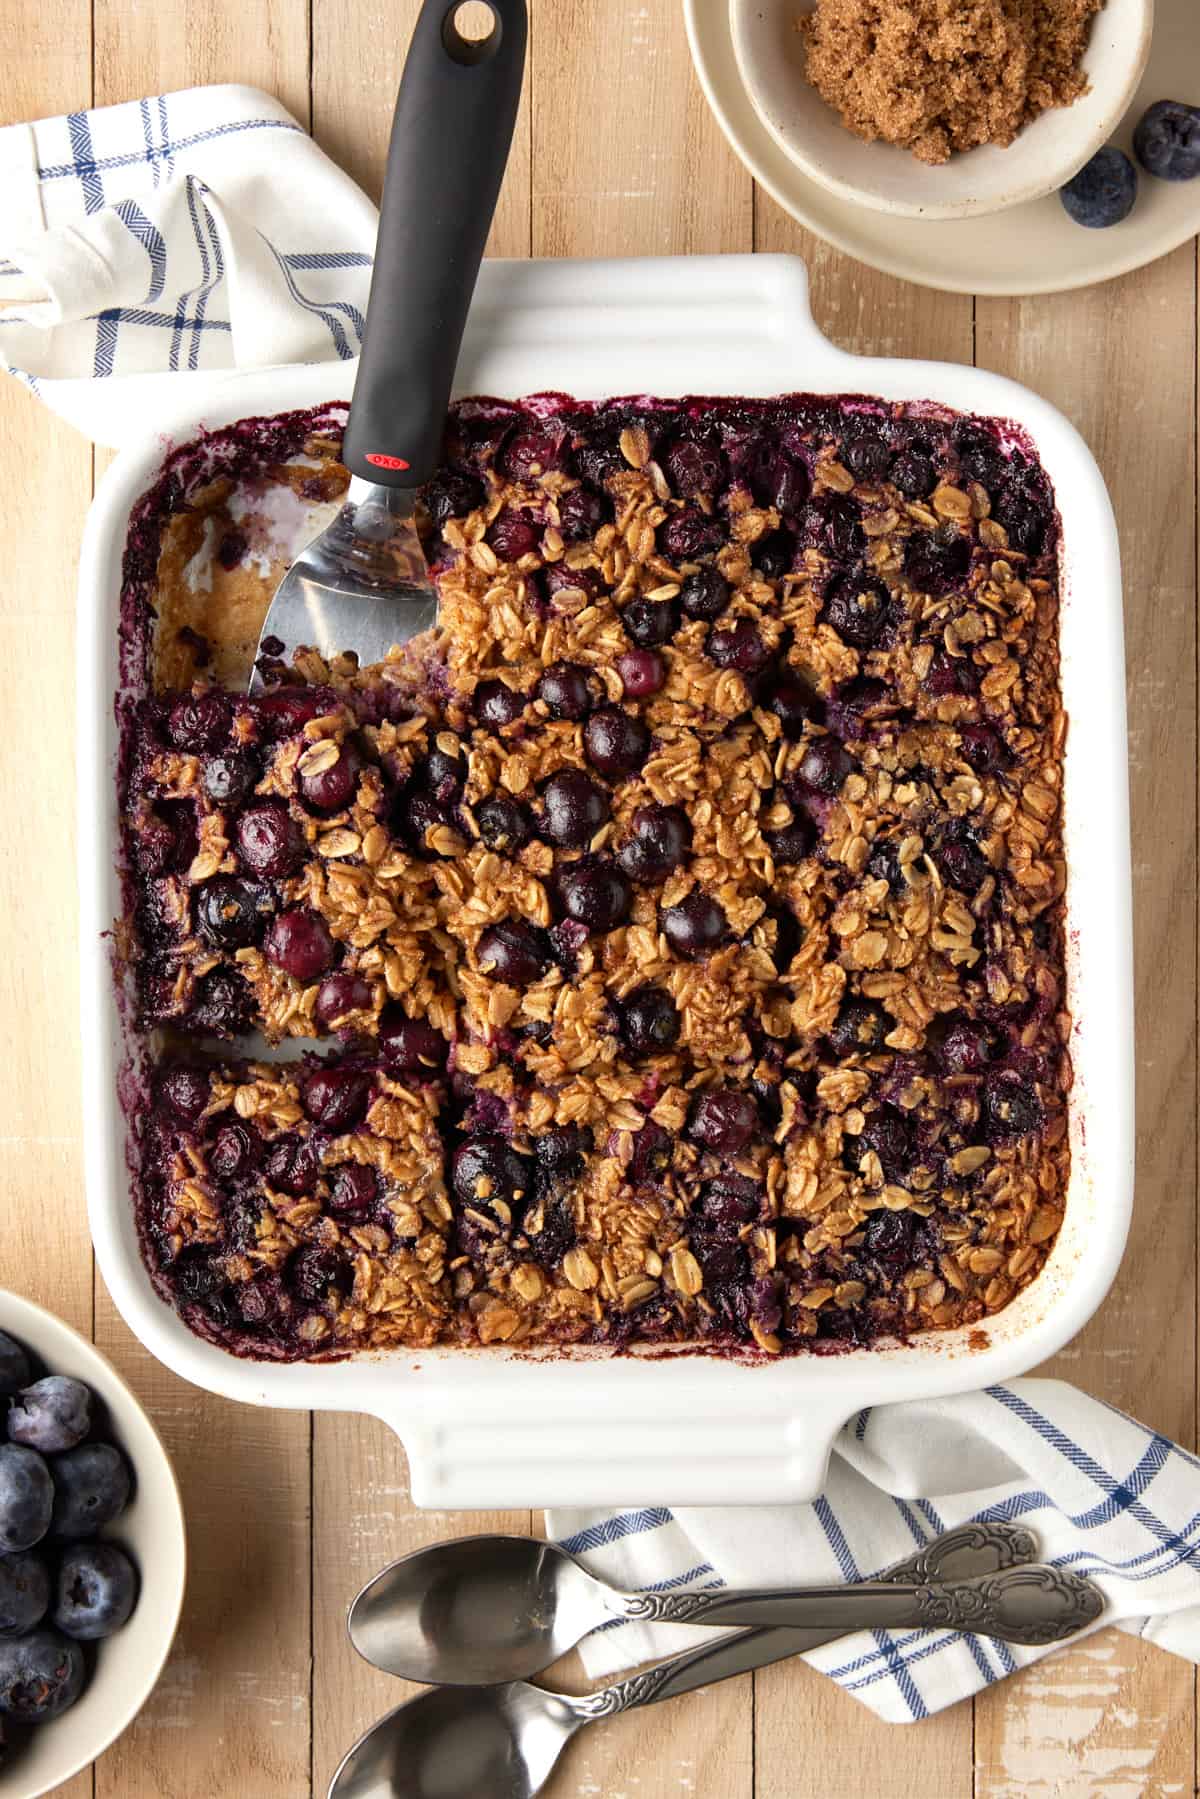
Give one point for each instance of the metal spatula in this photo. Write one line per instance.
(362, 585)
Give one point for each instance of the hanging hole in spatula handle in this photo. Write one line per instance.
(451, 135)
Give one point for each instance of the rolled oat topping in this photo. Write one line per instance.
(686, 913)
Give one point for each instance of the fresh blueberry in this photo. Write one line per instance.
(95, 1591)
(504, 823)
(615, 741)
(411, 1045)
(574, 807)
(513, 951)
(40, 1676)
(14, 1366)
(1104, 190)
(488, 1168)
(595, 894)
(649, 1021)
(1167, 140)
(659, 841)
(24, 1593)
(54, 1413)
(336, 1098)
(298, 942)
(695, 926)
(26, 1497)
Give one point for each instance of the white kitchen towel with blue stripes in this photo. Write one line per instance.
(1102, 1493)
(149, 248)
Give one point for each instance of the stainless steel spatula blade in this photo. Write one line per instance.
(363, 585)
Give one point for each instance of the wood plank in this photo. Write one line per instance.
(236, 1693)
(1116, 1717)
(627, 158)
(843, 1750)
(47, 1251)
(357, 60)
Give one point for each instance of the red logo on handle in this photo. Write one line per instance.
(381, 461)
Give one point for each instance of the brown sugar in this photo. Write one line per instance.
(935, 76)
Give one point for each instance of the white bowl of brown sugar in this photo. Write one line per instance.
(941, 109)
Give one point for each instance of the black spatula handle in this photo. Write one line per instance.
(450, 140)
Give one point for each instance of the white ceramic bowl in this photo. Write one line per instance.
(770, 57)
(497, 1428)
(128, 1664)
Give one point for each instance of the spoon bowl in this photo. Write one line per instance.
(460, 1743)
(477, 1609)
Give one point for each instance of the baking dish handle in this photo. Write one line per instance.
(590, 1457)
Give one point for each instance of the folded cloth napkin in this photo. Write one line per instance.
(1103, 1494)
(150, 248)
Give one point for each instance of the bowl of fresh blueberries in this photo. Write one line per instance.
(92, 1552)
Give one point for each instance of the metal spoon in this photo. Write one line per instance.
(502, 1742)
(494, 1608)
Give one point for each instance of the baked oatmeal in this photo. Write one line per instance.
(683, 919)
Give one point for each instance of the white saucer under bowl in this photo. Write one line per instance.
(1029, 249)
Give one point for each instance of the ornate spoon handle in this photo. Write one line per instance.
(1020, 1605)
(970, 1549)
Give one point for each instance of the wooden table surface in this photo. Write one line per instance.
(616, 154)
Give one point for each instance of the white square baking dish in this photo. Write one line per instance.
(502, 1428)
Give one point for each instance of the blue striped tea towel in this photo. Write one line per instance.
(1103, 1494)
(149, 248)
